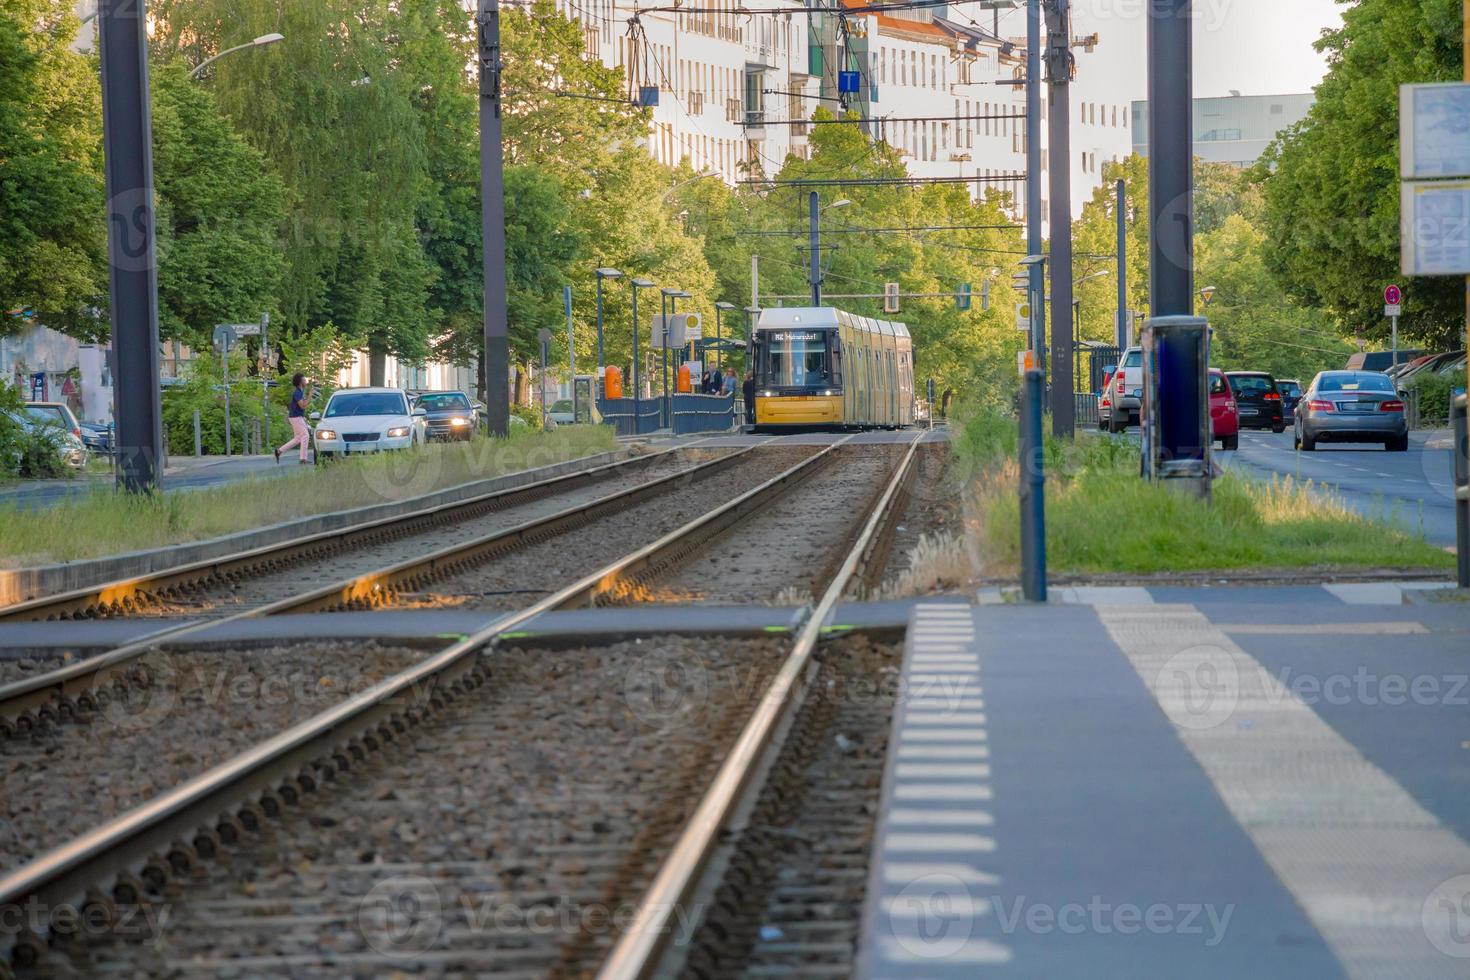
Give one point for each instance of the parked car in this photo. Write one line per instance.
(1433, 364)
(37, 420)
(1257, 400)
(1224, 412)
(1379, 360)
(1351, 406)
(561, 412)
(97, 438)
(1290, 390)
(448, 415)
(367, 420)
(57, 413)
(1123, 396)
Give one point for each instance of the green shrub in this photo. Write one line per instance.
(1434, 396)
(32, 452)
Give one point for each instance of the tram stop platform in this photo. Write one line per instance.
(1215, 783)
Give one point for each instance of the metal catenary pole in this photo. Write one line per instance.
(600, 361)
(815, 277)
(1034, 177)
(132, 263)
(1122, 326)
(1033, 490)
(492, 221)
(1170, 160)
(224, 373)
(265, 373)
(1059, 75)
(566, 302)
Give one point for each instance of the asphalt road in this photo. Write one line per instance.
(1414, 488)
(31, 494)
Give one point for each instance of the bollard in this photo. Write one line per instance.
(1033, 491)
(198, 436)
(1458, 411)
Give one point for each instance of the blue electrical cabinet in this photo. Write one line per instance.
(1176, 398)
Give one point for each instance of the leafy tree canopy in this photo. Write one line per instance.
(1332, 198)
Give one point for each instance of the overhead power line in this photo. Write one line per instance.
(797, 232)
(883, 120)
(884, 181)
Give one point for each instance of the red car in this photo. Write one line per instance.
(1224, 413)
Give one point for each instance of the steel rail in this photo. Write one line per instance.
(61, 604)
(58, 695)
(167, 833)
(641, 950)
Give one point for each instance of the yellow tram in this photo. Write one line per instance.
(820, 367)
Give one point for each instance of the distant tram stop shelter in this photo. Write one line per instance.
(1176, 402)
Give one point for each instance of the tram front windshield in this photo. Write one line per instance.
(797, 359)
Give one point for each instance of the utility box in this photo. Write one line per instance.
(1176, 400)
(584, 401)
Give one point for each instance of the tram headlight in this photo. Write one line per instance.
(765, 394)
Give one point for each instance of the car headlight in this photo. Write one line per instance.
(325, 434)
(459, 421)
(398, 433)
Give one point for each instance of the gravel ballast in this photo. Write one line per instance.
(789, 549)
(802, 865)
(197, 710)
(511, 834)
(518, 578)
(226, 598)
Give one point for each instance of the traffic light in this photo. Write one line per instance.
(962, 297)
(890, 297)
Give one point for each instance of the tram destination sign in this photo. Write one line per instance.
(796, 336)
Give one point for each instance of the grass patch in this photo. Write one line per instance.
(106, 522)
(1102, 518)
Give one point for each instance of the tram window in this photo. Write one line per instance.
(797, 361)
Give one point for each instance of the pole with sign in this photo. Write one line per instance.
(1393, 299)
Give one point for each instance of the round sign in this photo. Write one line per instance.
(1393, 296)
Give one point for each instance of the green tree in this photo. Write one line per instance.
(219, 218)
(1332, 197)
(332, 107)
(52, 245)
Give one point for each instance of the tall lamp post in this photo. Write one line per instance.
(601, 275)
(259, 42)
(637, 284)
(721, 307)
(815, 214)
(670, 298)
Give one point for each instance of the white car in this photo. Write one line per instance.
(367, 420)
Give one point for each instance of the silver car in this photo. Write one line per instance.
(1351, 406)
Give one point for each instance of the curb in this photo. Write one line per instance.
(23, 584)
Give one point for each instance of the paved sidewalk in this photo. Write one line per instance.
(1200, 784)
(181, 473)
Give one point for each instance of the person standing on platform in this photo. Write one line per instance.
(749, 392)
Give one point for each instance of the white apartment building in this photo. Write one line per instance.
(734, 89)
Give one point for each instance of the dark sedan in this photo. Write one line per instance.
(1259, 401)
(1352, 406)
(451, 415)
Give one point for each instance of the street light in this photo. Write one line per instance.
(814, 213)
(601, 275)
(637, 284)
(670, 297)
(1207, 294)
(259, 42)
(720, 307)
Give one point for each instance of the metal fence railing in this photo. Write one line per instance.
(631, 417)
(703, 413)
(1086, 408)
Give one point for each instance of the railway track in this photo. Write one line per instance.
(80, 688)
(696, 873)
(202, 826)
